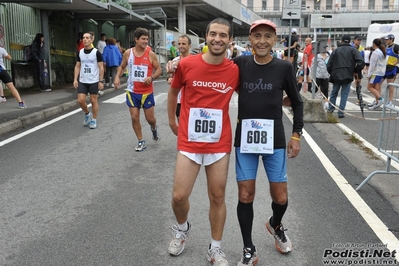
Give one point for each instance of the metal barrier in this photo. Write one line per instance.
(388, 140)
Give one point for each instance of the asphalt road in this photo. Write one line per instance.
(75, 196)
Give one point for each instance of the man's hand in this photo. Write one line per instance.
(117, 83)
(75, 84)
(171, 66)
(293, 148)
(175, 128)
(286, 101)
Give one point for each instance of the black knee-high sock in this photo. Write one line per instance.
(245, 214)
(299, 86)
(310, 86)
(278, 213)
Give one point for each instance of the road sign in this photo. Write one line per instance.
(292, 9)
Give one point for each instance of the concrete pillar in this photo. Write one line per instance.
(181, 16)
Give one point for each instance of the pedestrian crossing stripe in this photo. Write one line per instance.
(161, 98)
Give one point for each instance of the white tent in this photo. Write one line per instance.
(377, 30)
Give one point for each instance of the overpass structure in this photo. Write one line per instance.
(183, 16)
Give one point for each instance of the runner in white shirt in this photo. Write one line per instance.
(90, 70)
(6, 79)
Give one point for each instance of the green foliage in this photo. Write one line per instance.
(63, 72)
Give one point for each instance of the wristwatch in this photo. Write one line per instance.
(298, 132)
(102, 81)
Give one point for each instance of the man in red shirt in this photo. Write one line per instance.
(207, 82)
(306, 65)
(143, 67)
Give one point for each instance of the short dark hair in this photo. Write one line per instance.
(221, 21)
(140, 32)
(186, 36)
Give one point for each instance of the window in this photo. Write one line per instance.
(303, 3)
(371, 4)
(355, 4)
(328, 4)
(343, 3)
(264, 5)
(276, 5)
(250, 4)
(385, 4)
(317, 5)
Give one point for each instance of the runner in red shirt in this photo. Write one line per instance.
(204, 134)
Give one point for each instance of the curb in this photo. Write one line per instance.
(27, 120)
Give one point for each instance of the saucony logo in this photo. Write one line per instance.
(223, 91)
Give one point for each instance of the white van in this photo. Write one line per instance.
(377, 30)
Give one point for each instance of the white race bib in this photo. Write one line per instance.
(87, 69)
(139, 73)
(205, 125)
(257, 136)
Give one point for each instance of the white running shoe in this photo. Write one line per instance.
(371, 104)
(249, 258)
(93, 124)
(141, 145)
(281, 240)
(217, 257)
(88, 118)
(178, 242)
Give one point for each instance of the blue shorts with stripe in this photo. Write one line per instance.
(274, 164)
(376, 79)
(145, 101)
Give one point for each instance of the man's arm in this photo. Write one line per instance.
(171, 104)
(121, 68)
(76, 74)
(359, 60)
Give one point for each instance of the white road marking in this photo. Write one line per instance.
(351, 194)
(9, 140)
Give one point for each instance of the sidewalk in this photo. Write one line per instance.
(41, 106)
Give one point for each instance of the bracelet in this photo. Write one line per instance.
(152, 79)
(295, 138)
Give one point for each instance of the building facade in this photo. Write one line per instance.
(329, 18)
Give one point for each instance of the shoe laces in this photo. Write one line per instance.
(179, 234)
(248, 255)
(280, 233)
(217, 254)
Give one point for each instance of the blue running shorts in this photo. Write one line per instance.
(376, 79)
(274, 164)
(145, 101)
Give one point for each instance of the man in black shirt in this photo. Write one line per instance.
(260, 133)
(292, 46)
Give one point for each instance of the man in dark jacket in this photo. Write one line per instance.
(342, 65)
(39, 63)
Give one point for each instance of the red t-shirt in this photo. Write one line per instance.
(308, 52)
(206, 93)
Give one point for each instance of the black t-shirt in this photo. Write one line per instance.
(261, 94)
(294, 38)
(98, 55)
